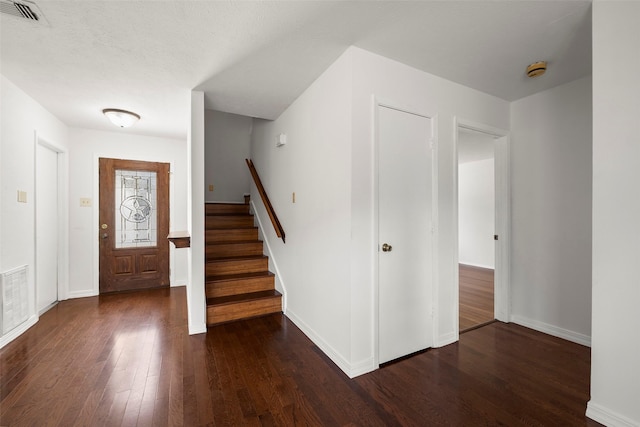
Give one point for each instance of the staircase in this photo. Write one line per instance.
(239, 284)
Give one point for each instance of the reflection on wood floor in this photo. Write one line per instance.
(127, 359)
(476, 296)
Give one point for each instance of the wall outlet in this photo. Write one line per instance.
(22, 196)
(210, 187)
(85, 202)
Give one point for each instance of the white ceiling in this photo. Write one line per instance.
(255, 57)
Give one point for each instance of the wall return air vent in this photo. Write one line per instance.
(23, 10)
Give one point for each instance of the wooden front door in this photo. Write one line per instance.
(134, 224)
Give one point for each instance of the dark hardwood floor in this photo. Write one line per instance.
(127, 359)
(476, 296)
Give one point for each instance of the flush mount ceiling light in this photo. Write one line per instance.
(537, 69)
(121, 118)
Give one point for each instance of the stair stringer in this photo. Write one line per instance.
(273, 265)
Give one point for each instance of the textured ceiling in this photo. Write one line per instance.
(256, 57)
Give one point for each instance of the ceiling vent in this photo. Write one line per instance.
(22, 9)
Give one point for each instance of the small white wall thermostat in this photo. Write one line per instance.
(281, 140)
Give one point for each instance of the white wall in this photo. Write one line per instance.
(20, 118)
(615, 372)
(196, 299)
(86, 146)
(476, 213)
(315, 164)
(551, 211)
(227, 145)
(328, 263)
(414, 90)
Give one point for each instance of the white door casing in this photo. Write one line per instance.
(502, 298)
(405, 222)
(47, 235)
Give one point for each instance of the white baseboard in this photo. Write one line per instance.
(18, 330)
(556, 331)
(82, 294)
(607, 417)
(47, 308)
(445, 339)
(363, 367)
(197, 329)
(342, 363)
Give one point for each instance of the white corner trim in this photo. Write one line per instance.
(18, 330)
(331, 353)
(556, 331)
(445, 339)
(362, 367)
(197, 329)
(607, 417)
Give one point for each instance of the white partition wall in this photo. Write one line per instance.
(615, 372)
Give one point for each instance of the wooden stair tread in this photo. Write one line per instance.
(236, 258)
(239, 206)
(231, 214)
(240, 276)
(230, 235)
(235, 227)
(240, 298)
(238, 284)
(233, 242)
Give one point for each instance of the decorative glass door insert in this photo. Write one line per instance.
(134, 223)
(136, 209)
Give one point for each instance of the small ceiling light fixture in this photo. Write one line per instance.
(537, 69)
(121, 118)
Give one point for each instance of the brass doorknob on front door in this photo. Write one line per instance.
(386, 247)
(104, 226)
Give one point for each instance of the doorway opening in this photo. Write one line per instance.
(51, 224)
(47, 238)
(476, 228)
(481, 212)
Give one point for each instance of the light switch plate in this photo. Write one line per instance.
(210, 187)
(22, 196)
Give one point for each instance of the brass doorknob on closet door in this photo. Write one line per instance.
(386, 247)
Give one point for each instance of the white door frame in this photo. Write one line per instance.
(63, 214)
(502, 294)
(377, 103)
(95, 288)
